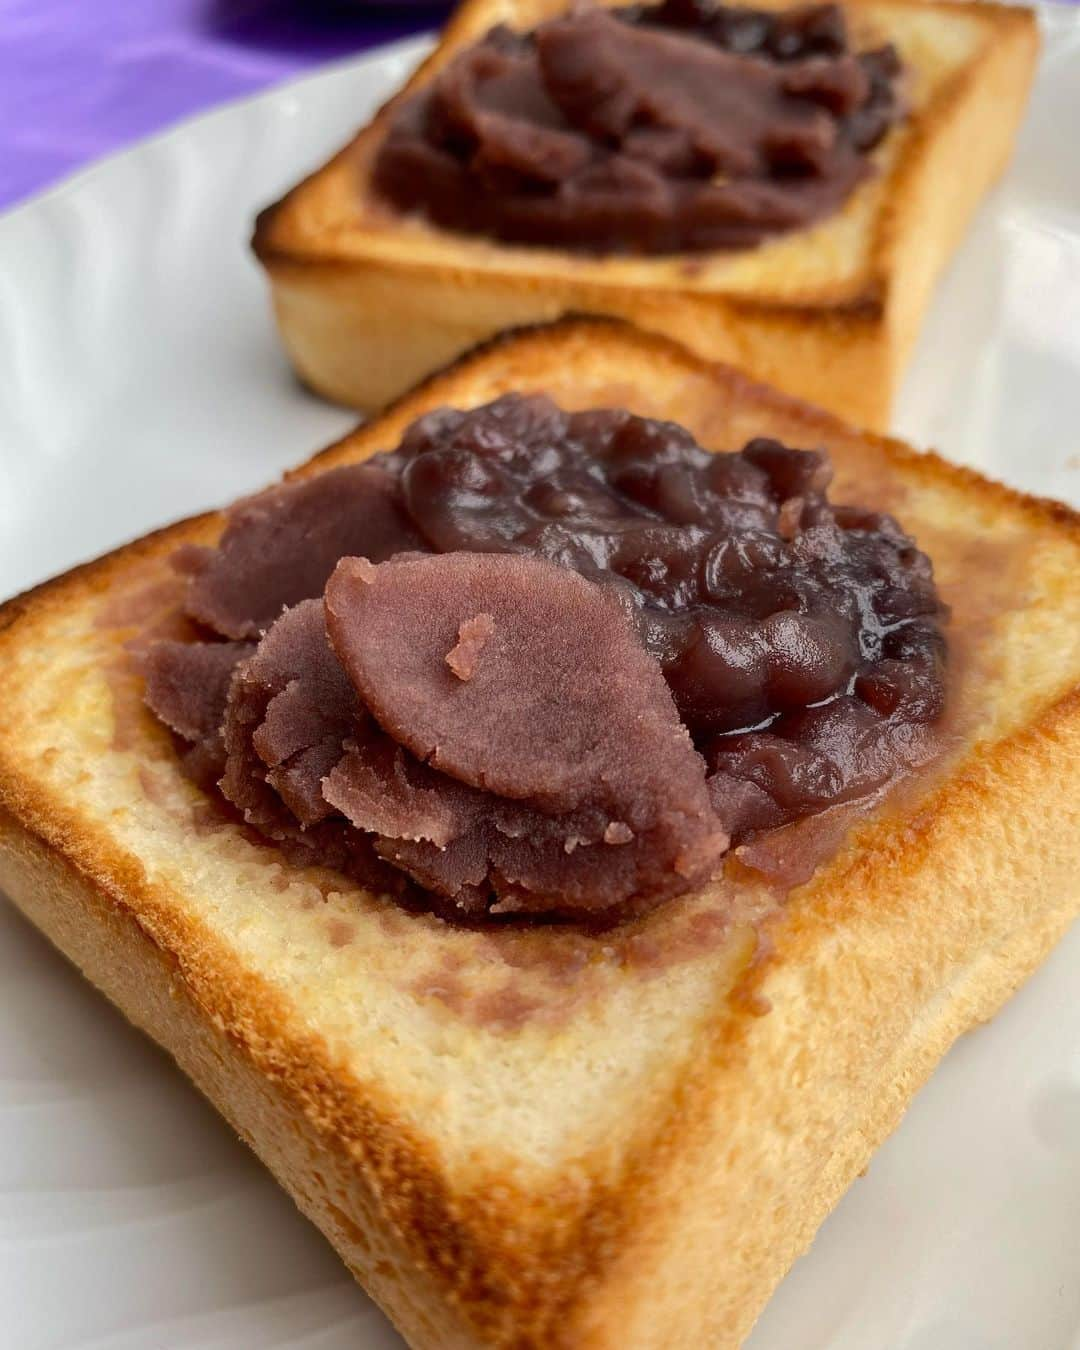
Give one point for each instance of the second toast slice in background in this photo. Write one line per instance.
(368, 301)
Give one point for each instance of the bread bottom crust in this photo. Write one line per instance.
(363, 334)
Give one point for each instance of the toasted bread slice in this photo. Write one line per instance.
(369, 302)
(542, 1138)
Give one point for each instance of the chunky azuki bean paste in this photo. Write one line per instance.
(543, 662)
(649, 129)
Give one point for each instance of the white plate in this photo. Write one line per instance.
(139, 381)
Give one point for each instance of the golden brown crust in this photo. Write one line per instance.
(280, 1104)
(924, 995)
(917, 928)
(368, 304)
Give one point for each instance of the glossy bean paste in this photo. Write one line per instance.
(543, 663)
(651, 129)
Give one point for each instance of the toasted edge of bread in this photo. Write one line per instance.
(368, 303)
(675, 1233)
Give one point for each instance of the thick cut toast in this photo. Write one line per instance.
(543, 1138)
(369, 302)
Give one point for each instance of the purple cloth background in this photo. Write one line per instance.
(80, 78)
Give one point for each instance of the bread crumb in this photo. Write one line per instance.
(618, 832)
(473, 635)
(365, 570)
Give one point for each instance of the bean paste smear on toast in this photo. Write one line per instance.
(545, 663)
(648, 129)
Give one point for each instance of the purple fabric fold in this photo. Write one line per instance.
(79, 80)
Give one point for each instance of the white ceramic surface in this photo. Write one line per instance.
(140, 381)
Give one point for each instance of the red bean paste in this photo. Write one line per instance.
(548, 663)
(649, 129)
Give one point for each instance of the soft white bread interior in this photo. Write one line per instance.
(541, 1138)
(369, 302)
